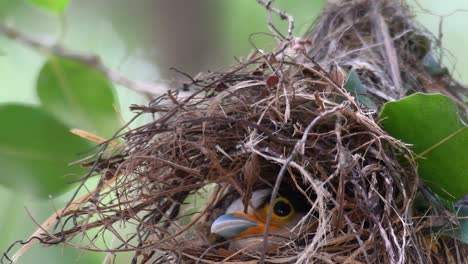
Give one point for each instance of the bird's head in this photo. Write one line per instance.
(245, 229)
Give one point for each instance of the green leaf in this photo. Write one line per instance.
(358, 90)
(35, 150)
(57, 6)
(431, 124)
(79, 96)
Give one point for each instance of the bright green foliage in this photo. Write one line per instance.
(358, 90)
(79, 96)
(431, 124)
(35, 150)
(57, 6)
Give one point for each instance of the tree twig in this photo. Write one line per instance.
(91, 60)
(283, 16)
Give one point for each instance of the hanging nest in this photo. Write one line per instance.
(279, 119)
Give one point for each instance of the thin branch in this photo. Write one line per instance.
(283, 15)
(91, 60)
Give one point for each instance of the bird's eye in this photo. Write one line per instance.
(282, 208)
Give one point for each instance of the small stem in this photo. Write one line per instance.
(91, 60)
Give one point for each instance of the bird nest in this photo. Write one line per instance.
(290, 125)
(280, 121)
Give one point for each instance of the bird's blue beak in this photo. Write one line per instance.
(231, 225)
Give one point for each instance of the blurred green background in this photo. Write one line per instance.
(143, 39)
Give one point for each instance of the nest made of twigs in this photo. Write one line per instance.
(278, 119)
(291, 115)
(237, 137)
(389, 49)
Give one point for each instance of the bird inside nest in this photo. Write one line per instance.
(245, 229)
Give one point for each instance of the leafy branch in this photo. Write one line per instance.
(88, 59)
